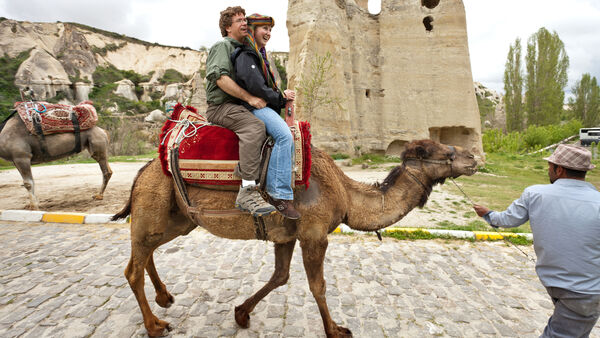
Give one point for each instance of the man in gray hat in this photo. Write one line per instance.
(565, 221)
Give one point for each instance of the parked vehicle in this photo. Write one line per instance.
(588, 136)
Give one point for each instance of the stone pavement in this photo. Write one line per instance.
(61, 280)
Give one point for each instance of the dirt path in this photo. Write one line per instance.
(70, 188)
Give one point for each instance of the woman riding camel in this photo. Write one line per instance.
(253, 73)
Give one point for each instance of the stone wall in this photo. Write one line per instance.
(400, 75)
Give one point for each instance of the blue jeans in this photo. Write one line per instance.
(279, 173)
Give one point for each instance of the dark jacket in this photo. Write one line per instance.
(249, 75)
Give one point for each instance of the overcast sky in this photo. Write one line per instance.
(492, 25)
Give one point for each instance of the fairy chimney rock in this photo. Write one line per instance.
(399, 75)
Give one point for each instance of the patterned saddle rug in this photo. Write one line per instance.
(209, 153)
(50, 118)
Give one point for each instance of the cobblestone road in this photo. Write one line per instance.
(67, 281)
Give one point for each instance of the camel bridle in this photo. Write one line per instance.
(448, 161)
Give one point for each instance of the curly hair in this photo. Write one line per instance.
(226, 15)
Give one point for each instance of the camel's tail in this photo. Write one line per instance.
(126, 211)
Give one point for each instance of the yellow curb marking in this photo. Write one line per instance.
(63, 218)
(488, 235)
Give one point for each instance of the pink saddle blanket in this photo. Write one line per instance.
(56, 118)
(208, 153)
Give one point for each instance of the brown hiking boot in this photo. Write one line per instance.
(286, 208)
(249, 199)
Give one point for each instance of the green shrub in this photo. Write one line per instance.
(533, 138)
(9, 93)
(172, 76)
(486, 106)
(338, 156)
(108, 75)
(282, 73)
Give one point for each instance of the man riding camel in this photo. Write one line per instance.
(224, 99)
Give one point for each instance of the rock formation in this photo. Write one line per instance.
(497, 119)
(399, 75)
(63, 57)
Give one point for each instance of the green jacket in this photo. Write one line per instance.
(218, 63)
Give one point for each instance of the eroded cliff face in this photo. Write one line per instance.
(63, 57)
(400, 75)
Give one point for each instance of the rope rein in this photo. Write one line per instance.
(493, 226)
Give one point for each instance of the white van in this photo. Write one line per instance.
(588, 136)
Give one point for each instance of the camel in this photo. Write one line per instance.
(157, 216)
(23, 149)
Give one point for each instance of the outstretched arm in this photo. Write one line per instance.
(516, 214)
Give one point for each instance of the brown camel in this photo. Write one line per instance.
(23, 149)
(332, 198)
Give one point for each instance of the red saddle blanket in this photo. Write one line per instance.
(56, 118)
(209, 153)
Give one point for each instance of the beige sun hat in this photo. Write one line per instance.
(571, 157)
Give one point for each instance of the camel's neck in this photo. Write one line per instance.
(372, 209)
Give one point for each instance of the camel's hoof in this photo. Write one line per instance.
(340, 332)
(160, 330)
(242, 318)
(98, 197)
(165, 300)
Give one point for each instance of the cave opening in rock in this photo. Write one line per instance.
(428, 23)
(368, 93)
(431, 4)
(395, 148)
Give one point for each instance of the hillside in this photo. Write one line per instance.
(65, 61)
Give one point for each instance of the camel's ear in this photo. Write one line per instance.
(421, 152)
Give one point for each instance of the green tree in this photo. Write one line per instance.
(585, 105)
(312, 87)
(547, 65)
(513, 88)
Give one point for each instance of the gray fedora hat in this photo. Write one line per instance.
(571, 157)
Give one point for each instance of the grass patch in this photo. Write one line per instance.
(511, 174)
(375, 159)
(338, 156)
(419, 235)
(519, 240)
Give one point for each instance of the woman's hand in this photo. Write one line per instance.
(289, 94)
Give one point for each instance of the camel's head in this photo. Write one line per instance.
(439, 160)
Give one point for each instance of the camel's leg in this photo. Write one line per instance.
(283, 257)
(98, 148)
(23, 165)
(163, 297)
(313, 254)
(140, 256)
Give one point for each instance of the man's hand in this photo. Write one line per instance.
(230, 87)
(480, 210)
(289, 94)
(257, 102)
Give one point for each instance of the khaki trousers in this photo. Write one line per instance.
(249, 129)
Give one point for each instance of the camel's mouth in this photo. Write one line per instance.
(472, 169)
